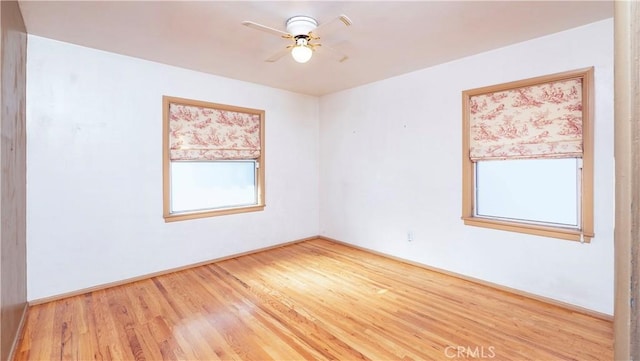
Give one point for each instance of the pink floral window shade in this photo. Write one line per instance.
(539, 121)
(197, 133)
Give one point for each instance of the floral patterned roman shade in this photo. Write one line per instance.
(538, 121)
(198, 133)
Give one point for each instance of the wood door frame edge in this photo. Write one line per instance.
(627, 126)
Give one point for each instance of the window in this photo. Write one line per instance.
(213, 159)
(212, 185)
(521, 190)
(528, 156)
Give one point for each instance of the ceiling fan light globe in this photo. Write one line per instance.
(301, 53)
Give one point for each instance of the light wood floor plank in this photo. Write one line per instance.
(315, 300)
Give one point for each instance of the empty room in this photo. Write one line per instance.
(294, 180)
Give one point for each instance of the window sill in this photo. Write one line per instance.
(534, 229)
(183, 216)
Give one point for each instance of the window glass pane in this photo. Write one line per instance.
(537, 190)
(210, 185)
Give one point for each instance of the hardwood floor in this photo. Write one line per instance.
(312, 300)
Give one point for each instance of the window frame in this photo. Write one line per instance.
(586, 230)
(166, 164)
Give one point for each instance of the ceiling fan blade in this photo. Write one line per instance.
(266, 29)
(336, 54)
(343, 18)
(279, 55)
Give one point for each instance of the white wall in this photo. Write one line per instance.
(94, 125)
(390, 162)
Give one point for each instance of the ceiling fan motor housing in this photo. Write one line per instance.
(301, 25)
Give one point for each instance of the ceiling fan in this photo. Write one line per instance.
(302, 30)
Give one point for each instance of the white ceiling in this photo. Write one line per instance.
(387, 38)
